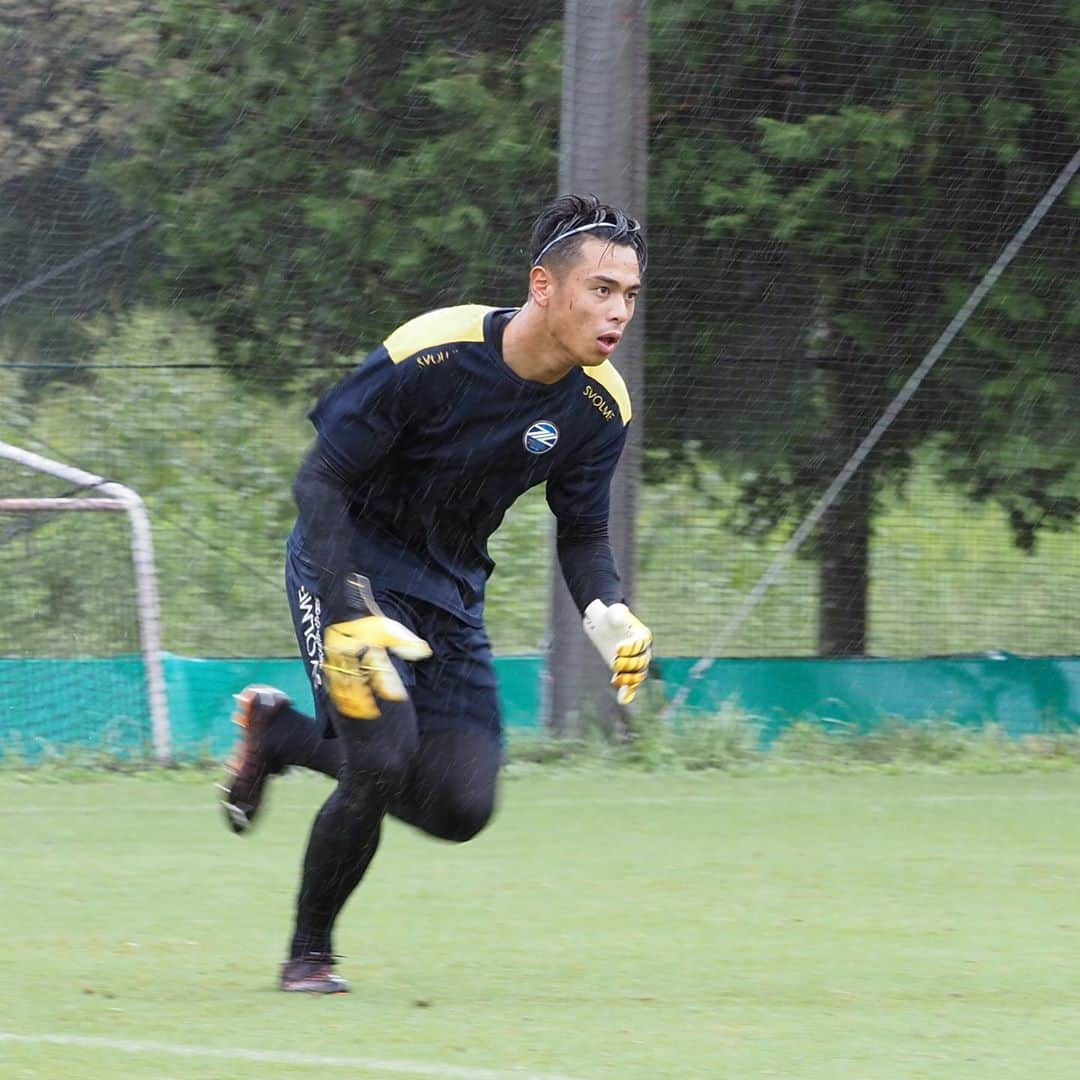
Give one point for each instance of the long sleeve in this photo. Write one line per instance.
(322, 498)
(580, 499)
(588, 564)
(358, 423)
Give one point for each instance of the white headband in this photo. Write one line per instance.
(572, 232)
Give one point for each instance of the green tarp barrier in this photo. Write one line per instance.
(1023, 694)
(84, 701)
(101, 704)
(201, 694)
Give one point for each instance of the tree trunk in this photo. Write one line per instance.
(845, 529)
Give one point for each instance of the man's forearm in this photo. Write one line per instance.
(588, 565)
(322, 498)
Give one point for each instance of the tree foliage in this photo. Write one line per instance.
(55, 125)
(856, 168)
(324, 169)
(827, 184)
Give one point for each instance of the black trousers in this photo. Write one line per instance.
(442, 782)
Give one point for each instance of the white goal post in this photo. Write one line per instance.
(116, 498)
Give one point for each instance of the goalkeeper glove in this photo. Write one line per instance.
(624, 642)
(357, 667)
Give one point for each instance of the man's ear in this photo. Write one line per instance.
(541, 285)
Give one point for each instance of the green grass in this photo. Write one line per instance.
(611, 923)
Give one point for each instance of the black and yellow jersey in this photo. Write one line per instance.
(434, 437)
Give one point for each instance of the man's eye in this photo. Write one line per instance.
(603, 290)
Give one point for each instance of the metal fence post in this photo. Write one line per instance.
(603, 149)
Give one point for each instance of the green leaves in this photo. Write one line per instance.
(824, 180)
(880, 156)
(324, 171)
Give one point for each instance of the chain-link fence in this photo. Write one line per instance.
(210, 211)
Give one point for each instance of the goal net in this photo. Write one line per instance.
(79, 665)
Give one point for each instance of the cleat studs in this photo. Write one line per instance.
(237, 817)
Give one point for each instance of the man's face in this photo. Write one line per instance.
(591, 302)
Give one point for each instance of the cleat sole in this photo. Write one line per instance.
(247, 768)
(237, 818)
(338, 989)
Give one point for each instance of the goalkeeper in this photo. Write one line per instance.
(419, 452)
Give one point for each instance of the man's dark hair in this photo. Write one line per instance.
(556, 244)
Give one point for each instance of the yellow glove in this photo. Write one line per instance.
(357, 667)
(624, 642)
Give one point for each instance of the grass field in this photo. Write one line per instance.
(610, 924)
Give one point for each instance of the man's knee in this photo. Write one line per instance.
(464, 811)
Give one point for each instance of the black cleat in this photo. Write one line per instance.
(256, 707)
(312, 974)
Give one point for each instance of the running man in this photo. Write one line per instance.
(419, 453)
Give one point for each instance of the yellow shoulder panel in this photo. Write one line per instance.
(440, 327)
(606, 375)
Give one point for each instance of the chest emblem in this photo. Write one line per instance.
(541, 437)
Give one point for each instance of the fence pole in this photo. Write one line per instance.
(603, 149)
